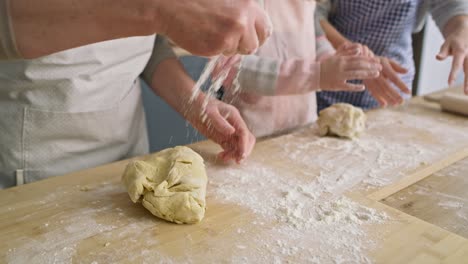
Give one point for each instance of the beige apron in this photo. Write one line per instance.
(72, 110)
(293, 38)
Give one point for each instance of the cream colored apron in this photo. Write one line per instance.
(72, 110)
(293, 38)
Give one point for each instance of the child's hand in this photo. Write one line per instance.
(223, 124)
(337, 70)
(384, 88)
(350, 49)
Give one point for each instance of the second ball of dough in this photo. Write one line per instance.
(343, 120)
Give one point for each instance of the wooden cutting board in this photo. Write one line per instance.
(298, 198)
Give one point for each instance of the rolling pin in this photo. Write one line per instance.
(451, 102)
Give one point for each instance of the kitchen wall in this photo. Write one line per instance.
(433, 73)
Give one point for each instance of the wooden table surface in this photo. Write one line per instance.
(396, 195)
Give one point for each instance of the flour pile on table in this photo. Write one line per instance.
(295, 220)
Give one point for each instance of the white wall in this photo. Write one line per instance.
(434, 74)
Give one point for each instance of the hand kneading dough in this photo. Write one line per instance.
(343, 120)
(171, 184)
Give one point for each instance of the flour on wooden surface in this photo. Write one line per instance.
(58, 245)
(302, 224)
(299, 214)
(450, 204)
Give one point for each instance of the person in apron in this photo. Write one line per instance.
(385, 27)
(278, 83)
(82, 107)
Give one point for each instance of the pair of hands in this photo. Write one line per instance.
(385, 87)
(341, 67)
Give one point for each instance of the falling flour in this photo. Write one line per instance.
(214, 84)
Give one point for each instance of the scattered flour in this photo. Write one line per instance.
(313, 221)
(307, 225)
(450, 204)
(213, 84)
(305, 219)
(58, 245)
(373, 160)
(463, 216)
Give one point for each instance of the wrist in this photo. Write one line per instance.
(455, 24)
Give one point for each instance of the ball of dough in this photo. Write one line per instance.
(343, 120)
(171, 184)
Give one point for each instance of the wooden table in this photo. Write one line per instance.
(396, 195)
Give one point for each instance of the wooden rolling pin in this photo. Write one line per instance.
(451, 102)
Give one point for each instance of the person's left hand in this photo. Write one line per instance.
(381, 88)
(456, 45)
(223, 124)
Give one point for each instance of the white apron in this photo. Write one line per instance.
(72, 110)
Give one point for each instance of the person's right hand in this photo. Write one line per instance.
(212, 27)
(336, 70)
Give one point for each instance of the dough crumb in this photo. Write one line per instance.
(84, 188)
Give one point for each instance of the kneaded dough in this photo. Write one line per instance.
(343, 120)
(171, 184)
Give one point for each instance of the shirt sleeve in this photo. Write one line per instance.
(162, 50)
(8, 49)
(269, 77)
(323, 47)
(443, 10)
(323, 9)
(259, 74)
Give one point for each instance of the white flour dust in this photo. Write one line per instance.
(305, 226)
(59, 237)
(213, 85)
(300, 212)
(373, 160)
(450, 204)
(313, 221)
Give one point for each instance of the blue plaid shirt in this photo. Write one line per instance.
(385, 26)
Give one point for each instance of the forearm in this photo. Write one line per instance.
(174, 86)
(455, 24)
(48, 26)
(335, 37)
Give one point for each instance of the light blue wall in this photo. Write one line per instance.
(166, 128)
